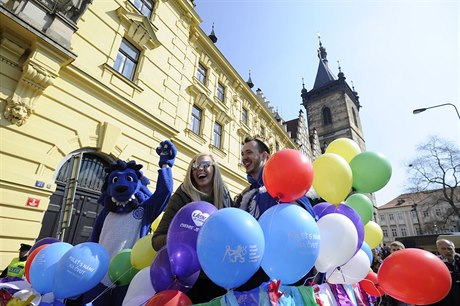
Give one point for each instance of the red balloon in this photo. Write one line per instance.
(288, 175)
(414, 276)
(370, 285)
(169, 298)
(30, 258)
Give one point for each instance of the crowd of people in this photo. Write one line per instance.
(203, 182)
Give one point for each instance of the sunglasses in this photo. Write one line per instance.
(203, 165)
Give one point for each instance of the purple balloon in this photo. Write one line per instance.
(163, 278)
(351, 214)
(320, 208)
(43, 241)
(182, 237)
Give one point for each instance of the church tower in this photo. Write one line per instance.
(332, 106)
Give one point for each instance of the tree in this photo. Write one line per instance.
(437, 166)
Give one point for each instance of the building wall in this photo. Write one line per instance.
(74, 100)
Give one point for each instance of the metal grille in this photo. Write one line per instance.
(91, 174)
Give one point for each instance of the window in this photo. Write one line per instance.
(400, 216)
(391, 217)
(217, 135)
(277, 146)
(437, 211)
(201, 74)
(417, 229)
(144, 6)
(127, 59)
(414, 214)
(327, 117)
(244, 116)
(425, 214)
(385, 233)
(195, 125)
(403, 231)
(354, 117)
(382, 218)
(394, 232)
(262, 131)
(220, 92)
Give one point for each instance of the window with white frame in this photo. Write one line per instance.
(437, 211)
(195, 124)
(127, 59)
(403, 231)
(400, 216)
(244, 116)
(394, 232)
(144, 6)
(426, 214)
(262, 130)
(382, 218)
(201, 73)
(391, 217)
(220, 92)
(217, 139)
(385, 233)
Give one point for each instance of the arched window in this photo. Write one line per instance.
(327, 117)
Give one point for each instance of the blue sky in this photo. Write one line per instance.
(400, 55)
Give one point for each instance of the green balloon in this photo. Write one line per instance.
(362, 205)
(121, 272)
(371, 171)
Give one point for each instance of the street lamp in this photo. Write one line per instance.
(420, 110)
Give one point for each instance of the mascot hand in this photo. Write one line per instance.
(167, 152)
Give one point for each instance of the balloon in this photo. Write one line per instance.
(156, 222)
(30, 259)
(373, 234)
(182, 236)
(169, 298)
(43, 241)
(414, 276)
(80, 269)
(344, 147)
(121, 272)
(371, 286)
(333, 177)
(140, 289)
(163, 278)
(320, 208)
(42, 269)
(338, 241)
(362, 205)
(365, 247)
(352, 272)
(351, 214)
(288, 175)
(230, 247)
(291, 242)
(142, 254)
(371, 171)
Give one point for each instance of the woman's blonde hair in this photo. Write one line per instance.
(218, 186)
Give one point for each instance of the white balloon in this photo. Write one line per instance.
(339, 239)
(140, 289)
(354, 271)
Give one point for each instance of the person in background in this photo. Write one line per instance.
(203, 182)
(388, 300)
(396, 246)
(16, 267)
(446, 250)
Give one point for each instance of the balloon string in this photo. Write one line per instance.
(113, 285)
(312, 277)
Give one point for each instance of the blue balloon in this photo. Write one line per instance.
(80, 269)
(230, 247)
(367, 249)
(42, 268)
(292, 241)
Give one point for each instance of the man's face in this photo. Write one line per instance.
(394, 248)
(446, 250)
(253, 161)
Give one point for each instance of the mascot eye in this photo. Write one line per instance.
(130, 178)
(115, 179)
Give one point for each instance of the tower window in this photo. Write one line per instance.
(327, 117)
(354, 117)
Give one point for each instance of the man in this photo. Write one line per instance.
(16, 267)
(255, 199)
(446, 250)
(396, 246)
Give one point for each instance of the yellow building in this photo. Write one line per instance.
(83, 84)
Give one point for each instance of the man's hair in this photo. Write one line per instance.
(260, 143)
(398, 244)
(438, 242)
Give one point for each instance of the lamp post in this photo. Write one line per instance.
(420, 110)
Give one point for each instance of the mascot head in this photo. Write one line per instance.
(124, 187)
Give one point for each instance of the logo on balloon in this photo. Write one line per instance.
(199, 217)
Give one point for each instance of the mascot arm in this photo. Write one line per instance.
(158, 201)
(97, 228)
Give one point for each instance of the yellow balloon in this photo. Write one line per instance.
(155, 223)
(373, 234)
(142, 253)
(332, 177)
(344, 147)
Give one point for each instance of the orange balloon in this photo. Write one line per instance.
(414, 276)
(169, 298)
(30, 258)
(370, 285)
(288, 175)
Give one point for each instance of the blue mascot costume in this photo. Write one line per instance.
(129, 210)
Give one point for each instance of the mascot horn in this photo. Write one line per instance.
(129, 209)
